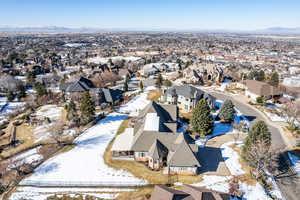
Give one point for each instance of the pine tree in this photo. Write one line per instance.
(159, 81)
(258, 133)
(261, 75)
(202, 120)
(125, 87)
(141, 86)
(40, 90)
(227, 111)
(87, 108)
(274, 81)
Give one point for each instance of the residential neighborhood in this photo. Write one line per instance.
(97, 114)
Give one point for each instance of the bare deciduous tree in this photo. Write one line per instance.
(262, 159)
(56, 131)
(292, 111)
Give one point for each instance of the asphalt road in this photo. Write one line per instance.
(287, 180)
(277, 140)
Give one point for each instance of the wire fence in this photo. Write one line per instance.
(81, 184)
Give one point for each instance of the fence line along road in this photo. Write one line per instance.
(80, 184)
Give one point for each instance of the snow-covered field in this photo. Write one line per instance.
(231, 158)
(52, 112)
(9, 107)
(33, 193)
(28, 157)
(84, 164)
(221, 183)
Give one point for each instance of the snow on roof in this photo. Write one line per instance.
(151, 122)
(123, 141)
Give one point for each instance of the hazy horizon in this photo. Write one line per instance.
(155, 14)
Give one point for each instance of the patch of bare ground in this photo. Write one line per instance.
(154, 95)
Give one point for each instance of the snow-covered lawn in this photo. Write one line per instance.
(52, 112)
(34, 193)
(84, 164)
(28, 157)
(231, 158)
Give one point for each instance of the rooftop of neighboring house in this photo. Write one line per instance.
(80, 85)
(261, 88)
(188, 91)
(111, 95)
(188, 192)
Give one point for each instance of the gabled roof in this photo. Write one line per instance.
(260, 88)
(81, 85)
(187, 91)
(183, 155)
(112, 95)
(158, 150)
(201, 193)
(166, 113)
(166, 193)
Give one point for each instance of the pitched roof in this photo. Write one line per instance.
(111, 95)
(183, 155)
(123, 141)
(260, 88)
(81, 85)
(158, 150)
(166, 193)
(188, 192)
(201, 193)
(187, 91)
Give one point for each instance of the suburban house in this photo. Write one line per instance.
(108, 96)
(254, 89)
(80, 85)
(156, 142)
(186, 97)
(187, 192)
(102, 96)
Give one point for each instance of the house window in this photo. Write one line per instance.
(186, 107)
(142, 154)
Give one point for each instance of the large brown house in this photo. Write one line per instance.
(155, 141)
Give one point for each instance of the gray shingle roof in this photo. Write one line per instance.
(187, 91)
(180, 149)
(158, 150)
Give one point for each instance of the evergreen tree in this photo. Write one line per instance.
(30, 79)
(167, 83)
(258, 133)
(227, 111)
(202, 120)
(125, 87)
(261, 75)
(274, 81)
(40, 90)
(141, 86)
(159, 81)
(87, 108)
(10, 96)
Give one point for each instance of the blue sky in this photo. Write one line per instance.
(149, 14)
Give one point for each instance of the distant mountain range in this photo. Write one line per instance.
(46, 29)
(57, 29)
(280, 30)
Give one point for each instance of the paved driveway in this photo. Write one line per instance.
(277, 140)
(288, 183)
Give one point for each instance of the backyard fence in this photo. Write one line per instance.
(80, 184)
